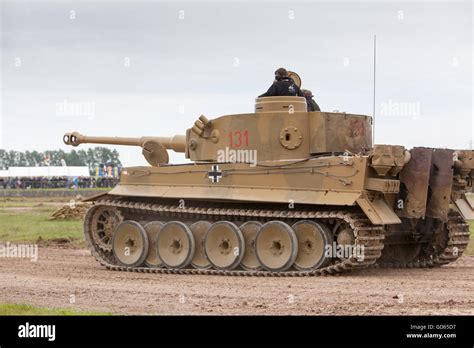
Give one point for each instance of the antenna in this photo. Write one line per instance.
(373, 106)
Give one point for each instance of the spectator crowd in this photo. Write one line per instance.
(56, 182)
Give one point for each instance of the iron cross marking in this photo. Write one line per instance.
(215, 174)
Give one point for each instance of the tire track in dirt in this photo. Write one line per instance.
(60, 273)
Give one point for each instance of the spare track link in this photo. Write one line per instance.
(458, 239)
(367, 235)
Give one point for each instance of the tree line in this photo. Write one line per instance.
(91, 158)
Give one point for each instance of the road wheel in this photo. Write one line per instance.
(130, 243)
(152, 229)
(276, 246)
(199, 230)
(313, 238)
(224, 245)
(175, 245)
(250, 230)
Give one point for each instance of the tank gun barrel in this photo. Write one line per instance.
(176, 143)
(153, 148)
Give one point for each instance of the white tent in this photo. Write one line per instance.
(45, 171)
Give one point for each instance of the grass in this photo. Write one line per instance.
(23, 204)
(24, 309)
(18, 202)
(31, 225)
(470, 247)
(470, 197)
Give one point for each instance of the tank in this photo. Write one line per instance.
(281, 192)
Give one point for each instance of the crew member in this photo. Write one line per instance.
(282, 86)
(311, 103)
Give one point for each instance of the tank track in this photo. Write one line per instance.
(367, 235)
(458, 239)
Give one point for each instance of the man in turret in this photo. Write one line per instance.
(282, 86)
(311, 103)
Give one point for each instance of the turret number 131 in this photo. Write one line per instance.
(239, 138)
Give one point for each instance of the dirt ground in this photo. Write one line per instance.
(72, 278)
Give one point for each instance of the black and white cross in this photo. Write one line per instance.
(215, 174)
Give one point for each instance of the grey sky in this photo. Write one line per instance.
(148, 68)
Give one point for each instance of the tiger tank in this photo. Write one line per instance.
(281, 192)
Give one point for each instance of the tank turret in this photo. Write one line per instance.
(280, 129)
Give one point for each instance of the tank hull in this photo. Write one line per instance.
(280, 182)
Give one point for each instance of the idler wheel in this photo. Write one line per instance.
(224, 245)
(276, 246)
(130, 243)
(175, 245)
